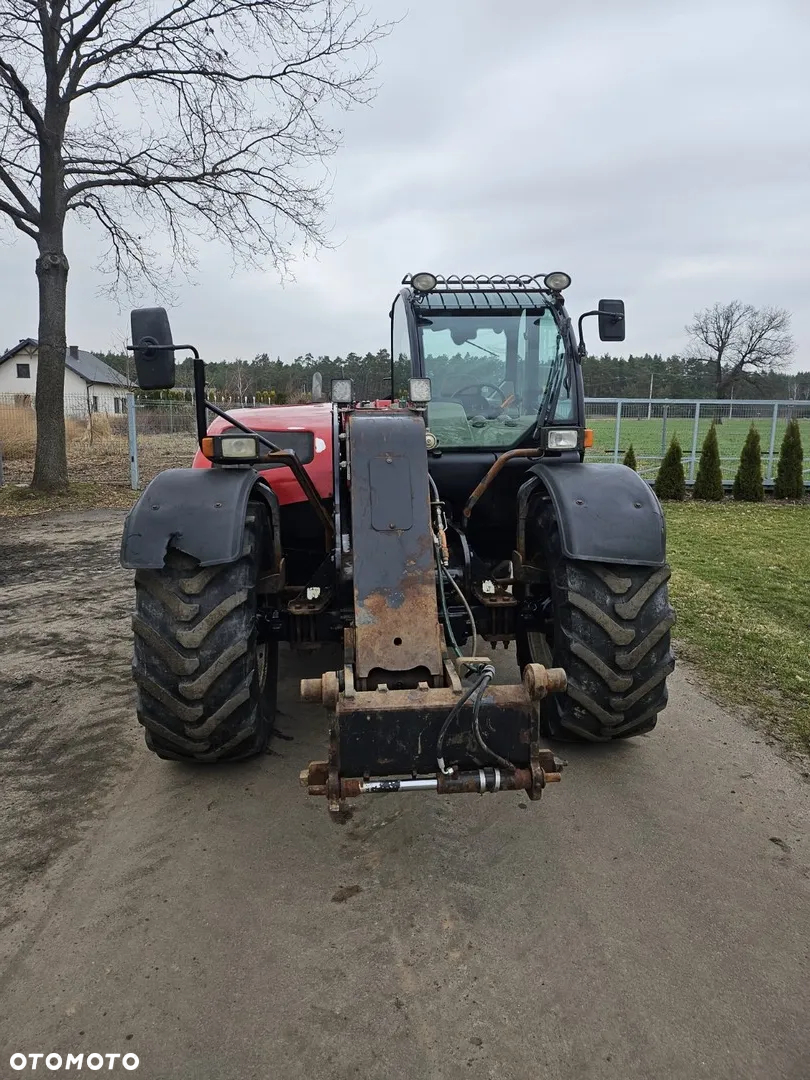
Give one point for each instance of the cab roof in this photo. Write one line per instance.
(487, 292)
(487, 300)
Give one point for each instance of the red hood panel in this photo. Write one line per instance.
(315, 418)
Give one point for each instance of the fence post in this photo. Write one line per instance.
(694, 443)
(132, 435)
(664, 414)
(618, 429)
(773, 442)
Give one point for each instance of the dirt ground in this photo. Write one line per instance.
(106, 461)
(65, 687)
(647, 918)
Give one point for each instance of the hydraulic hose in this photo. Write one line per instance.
(487, 676)
(451, 717)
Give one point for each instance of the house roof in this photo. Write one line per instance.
(86, 365)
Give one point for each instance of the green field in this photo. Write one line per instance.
(741, 591)
(647, 435)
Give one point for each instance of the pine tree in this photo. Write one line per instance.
(709, 479)
(789, 478)
(748, 481)
(630, 459)
(671, 482)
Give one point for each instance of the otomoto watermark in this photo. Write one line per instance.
(75, 1062)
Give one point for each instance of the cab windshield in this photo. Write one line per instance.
(489, 372)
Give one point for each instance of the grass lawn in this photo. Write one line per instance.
(741, 590)
(646, 437)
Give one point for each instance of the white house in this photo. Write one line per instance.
(90, 384)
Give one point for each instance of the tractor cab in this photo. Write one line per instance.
(501, 357)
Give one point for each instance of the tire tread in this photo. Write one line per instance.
(195, 664)
(611, 633)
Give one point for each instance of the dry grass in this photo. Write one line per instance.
(97, 453)
(18, 432)
(106, 459)
(23, 502)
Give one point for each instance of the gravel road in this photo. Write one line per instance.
(649, 918)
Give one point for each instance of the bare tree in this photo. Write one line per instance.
(238, 379)
(197, 116)
(740, 341)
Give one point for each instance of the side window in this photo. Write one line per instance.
(400, 343)
(400, 348)
(520, 373)
(565, 409)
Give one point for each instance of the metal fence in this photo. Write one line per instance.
(151, 435)
(164, 433)
(648, 425)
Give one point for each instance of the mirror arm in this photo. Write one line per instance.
(199, 397)
(166, 348)
(581, 348)
(586, 315)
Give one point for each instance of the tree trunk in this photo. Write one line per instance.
(50, 464)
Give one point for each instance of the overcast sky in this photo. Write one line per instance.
(656, 152)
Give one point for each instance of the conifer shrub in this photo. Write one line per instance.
(709, 480)
(748, 485)
(670, 483)
(789, 483)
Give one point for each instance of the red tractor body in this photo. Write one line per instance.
(307, 429)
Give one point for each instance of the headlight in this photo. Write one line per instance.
(419, 391)
(557, 281)
(562, 439)
(342, 393)
(239, 446)
(230, 447)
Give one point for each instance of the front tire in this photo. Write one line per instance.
(609, 628)
(206, 688)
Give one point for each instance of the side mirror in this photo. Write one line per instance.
(153, 348)
(611, 320)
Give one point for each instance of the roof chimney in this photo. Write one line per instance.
(74, 352)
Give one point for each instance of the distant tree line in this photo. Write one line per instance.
(604, 376)
(682, 377)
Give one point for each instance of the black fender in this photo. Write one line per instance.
(198, 511)
(605, 513)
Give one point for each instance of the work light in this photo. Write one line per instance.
(342, 393)
(557, 281)
(419, 391)
(424, 282)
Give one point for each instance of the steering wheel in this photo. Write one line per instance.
(508, 399)
(478, 387)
